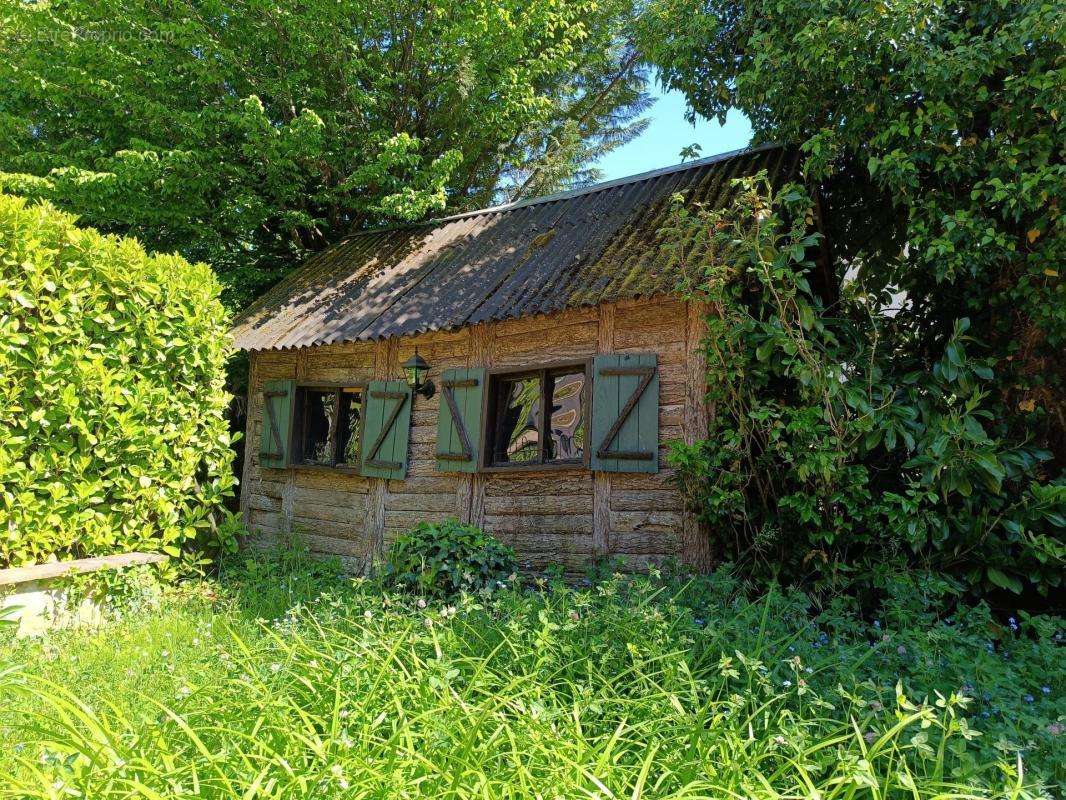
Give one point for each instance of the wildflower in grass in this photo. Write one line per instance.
(1056, 728)
(337, 771)
(870, 737)
(368, 614)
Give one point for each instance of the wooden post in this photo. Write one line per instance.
(601, 481)
(695, 535)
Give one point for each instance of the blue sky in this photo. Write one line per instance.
(669, 131)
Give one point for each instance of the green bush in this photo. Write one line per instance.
(831, 463)
(112, 427)
(448, 557)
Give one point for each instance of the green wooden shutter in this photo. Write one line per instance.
(275, 434)
(625, 413)
(459, 419)
(386, 429)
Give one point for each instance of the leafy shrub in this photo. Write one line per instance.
(448, 557)
(833, 458)
(112, 434)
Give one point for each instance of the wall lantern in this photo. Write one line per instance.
(416, 370)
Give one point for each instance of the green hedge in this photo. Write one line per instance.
(112, 428)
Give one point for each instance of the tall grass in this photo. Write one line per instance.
(609, 693)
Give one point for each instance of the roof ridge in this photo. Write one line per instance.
(568, 194)
(611, 184)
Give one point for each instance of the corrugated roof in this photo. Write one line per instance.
(577, 248)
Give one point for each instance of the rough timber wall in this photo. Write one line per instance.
(560, 516)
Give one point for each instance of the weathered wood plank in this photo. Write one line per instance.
(541, 523)
(329, 497)
(324, 513)
(408, 519)
(303, 526)
(526, 505)
(423, 484)
(429, 503)
(646, 500)
(260, 502)
(630, 543)
(42, 572)
(525, 326)
(636, 521)
(266, 520)
(538, 484)
(331, 480)
(549, 543)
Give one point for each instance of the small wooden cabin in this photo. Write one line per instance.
(562, 360)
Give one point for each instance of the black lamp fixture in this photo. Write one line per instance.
(416, 370)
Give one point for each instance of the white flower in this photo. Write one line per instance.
(368, 614)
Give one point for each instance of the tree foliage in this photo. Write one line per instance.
(933, 136)
(112, 429)
(247, 134)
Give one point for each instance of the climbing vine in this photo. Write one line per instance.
(831, 455)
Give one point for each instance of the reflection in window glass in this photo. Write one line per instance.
(349, 427)
(517, 439)
(566, 437)
(319, 408)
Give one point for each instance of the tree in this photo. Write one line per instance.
(248, 134)
(933, 136)
(954, 112)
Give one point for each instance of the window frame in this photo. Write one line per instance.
(543, 371)
(298, 418)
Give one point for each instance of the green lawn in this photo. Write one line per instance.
(289, 681)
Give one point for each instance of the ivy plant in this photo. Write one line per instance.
(828, 456)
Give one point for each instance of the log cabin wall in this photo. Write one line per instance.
(550, 517)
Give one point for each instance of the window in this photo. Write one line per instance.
(328, 426)
(537, 417)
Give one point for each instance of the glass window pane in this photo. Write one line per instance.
(517, 439)
(566, 438)
(349, 427)
(318, 411)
